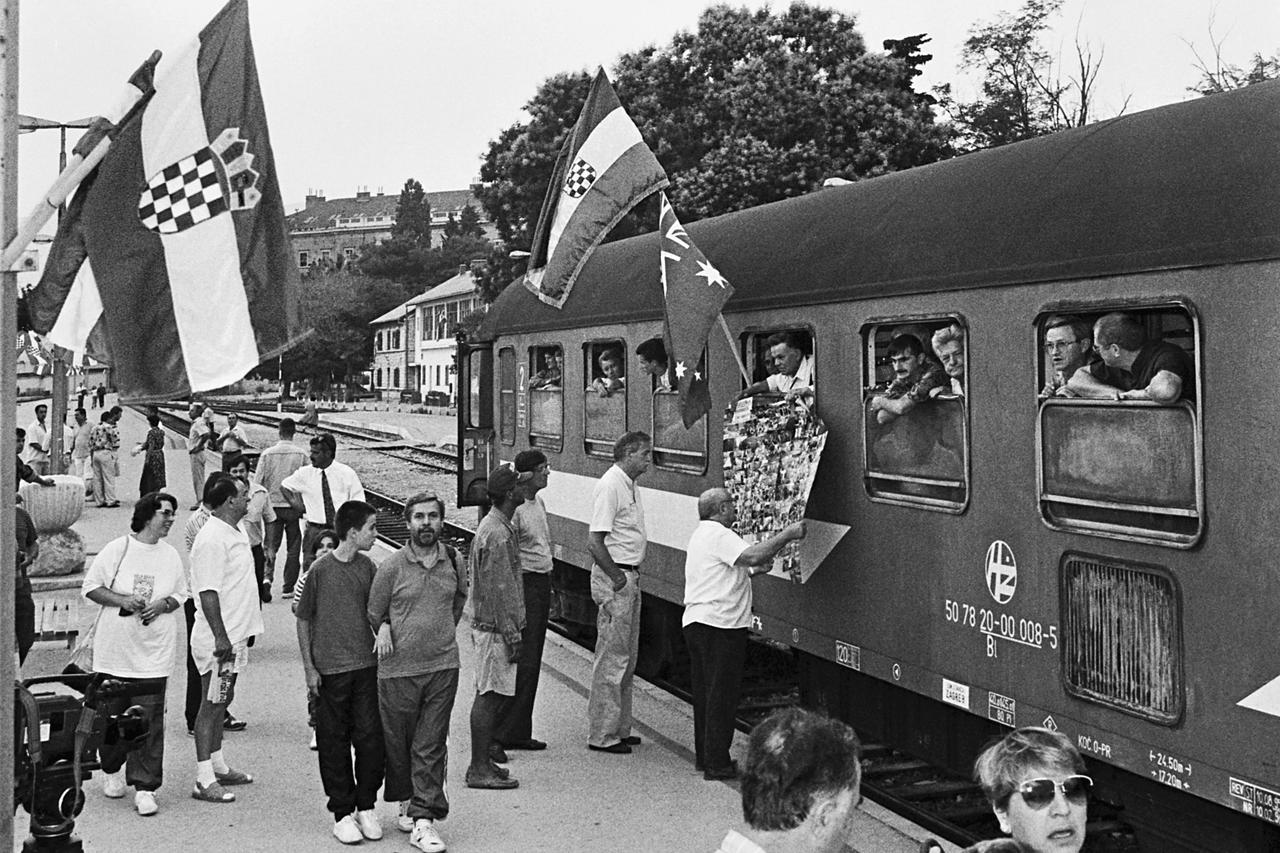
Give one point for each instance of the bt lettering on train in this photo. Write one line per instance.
(1002, 709)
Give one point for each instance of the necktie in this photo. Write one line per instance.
(328, 499)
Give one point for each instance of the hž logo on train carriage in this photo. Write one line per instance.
(1002, 572)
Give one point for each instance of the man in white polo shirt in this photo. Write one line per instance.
(317, 490)
(617, 542)
(718, 568)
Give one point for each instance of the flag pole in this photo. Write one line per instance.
(733, 348)
(98, 141)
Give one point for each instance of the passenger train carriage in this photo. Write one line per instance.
(1104, 568)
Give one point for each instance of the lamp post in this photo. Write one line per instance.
(59, 392)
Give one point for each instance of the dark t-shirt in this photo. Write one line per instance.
(25, 534)
(335, 600)
(1152, 359)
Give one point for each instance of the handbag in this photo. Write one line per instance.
(81, 660)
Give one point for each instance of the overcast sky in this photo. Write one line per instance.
(370, 93)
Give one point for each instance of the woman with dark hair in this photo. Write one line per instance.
(140, 583)
(152, 479)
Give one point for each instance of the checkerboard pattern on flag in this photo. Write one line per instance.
(694, 293)
(603, 170)
(174, 251)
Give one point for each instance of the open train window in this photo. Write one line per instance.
(1119, 448)
(676, 447)
(604, 409)
(546, 397)
(507, 395)
(915, 422)
(780, 360)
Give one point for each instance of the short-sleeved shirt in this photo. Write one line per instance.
(24, 530)
(222, 562)
(716, 592)
(782, 383)
(918, 391)
(123, 645)
(234, 439)
(36, 434)
(104, 437)
(616, 512)
(196, 436)
(533, 536)
(1151, 359)
(335, 600)
(422, 603)
(277, 462)
(344, 486)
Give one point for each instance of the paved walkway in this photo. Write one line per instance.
(570, 799)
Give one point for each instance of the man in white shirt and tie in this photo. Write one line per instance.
(317, 490)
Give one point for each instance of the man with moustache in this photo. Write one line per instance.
(1068, 342)
(915, 376)
(415, 603)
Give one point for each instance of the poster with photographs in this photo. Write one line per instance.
(771, 454)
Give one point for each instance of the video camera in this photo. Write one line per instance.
(60, 724)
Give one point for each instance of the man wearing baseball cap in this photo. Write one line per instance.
(496, 605)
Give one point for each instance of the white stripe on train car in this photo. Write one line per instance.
(669, 517)
(1265, 699)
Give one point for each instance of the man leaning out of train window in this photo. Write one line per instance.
(915, 376)
(948, 345)
(793, 370)
(611, 379)
(1132, 367)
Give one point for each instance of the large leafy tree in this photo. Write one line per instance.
(752, 107)
(413, 215)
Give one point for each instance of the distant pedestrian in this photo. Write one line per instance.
(228, 614)
(80, 393)
(140, 577)
(153, 474)
(233, 441)
(81, 464)
(104, 444)
(254, 523)
(617, 542)
(340, 665)
(497, 619)
(101, 396)
(718, 568)
(533, 536)
(416, 602)
(275, 464)
(310, 415)
(36, 452)
(198, 439)
(318, 489)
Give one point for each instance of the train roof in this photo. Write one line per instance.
(1190, 184)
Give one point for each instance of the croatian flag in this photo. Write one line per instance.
(604, 169)
(175, 246)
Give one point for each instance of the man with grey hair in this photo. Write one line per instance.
(617, 542)
(800, 786)
(948, 346)
(718, 568)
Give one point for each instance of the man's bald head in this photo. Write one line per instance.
(709, 502)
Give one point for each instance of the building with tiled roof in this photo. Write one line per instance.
(328, 229)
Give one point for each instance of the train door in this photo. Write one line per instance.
(476, 456)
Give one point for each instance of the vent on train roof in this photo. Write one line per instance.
(1122, 636)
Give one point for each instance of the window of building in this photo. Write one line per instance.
(395, 377)
(676, 447)
(395, 339)
(348, 252)
(324, 255)
(546, 396)
(915, 422)
(507, 395)
(377, 378)
(604, 410)
(1129, 468)
(304, 260)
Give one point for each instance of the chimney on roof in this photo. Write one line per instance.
(314, 197)
(462, 268)
(362, 193)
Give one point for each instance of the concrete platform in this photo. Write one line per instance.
(569, 798)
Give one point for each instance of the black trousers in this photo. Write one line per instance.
(144, 766)
(24, 619)
(516, 723)
(347, 720)
(716, 658)
(191, 705)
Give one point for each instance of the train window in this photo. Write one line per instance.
(604, 410)
(916, 427)
(779, 360)
(675, 447)
(1122, 457)
(507, 395)
(546, 397)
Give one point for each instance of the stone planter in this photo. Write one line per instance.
(53, 509)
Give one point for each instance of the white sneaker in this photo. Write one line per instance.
(113, 784)
(145, 803)
(347, 830)
(403, 822)
(370, 826)
(425, 837)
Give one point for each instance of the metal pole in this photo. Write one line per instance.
(8, 409)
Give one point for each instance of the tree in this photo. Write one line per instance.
(469, 222)
(752, 107)
(413, 216)
(1218, 75)
(1024, 92)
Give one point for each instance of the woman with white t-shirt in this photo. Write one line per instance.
(141, 584)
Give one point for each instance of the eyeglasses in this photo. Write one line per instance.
(1038, 793)
(1059, 346)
